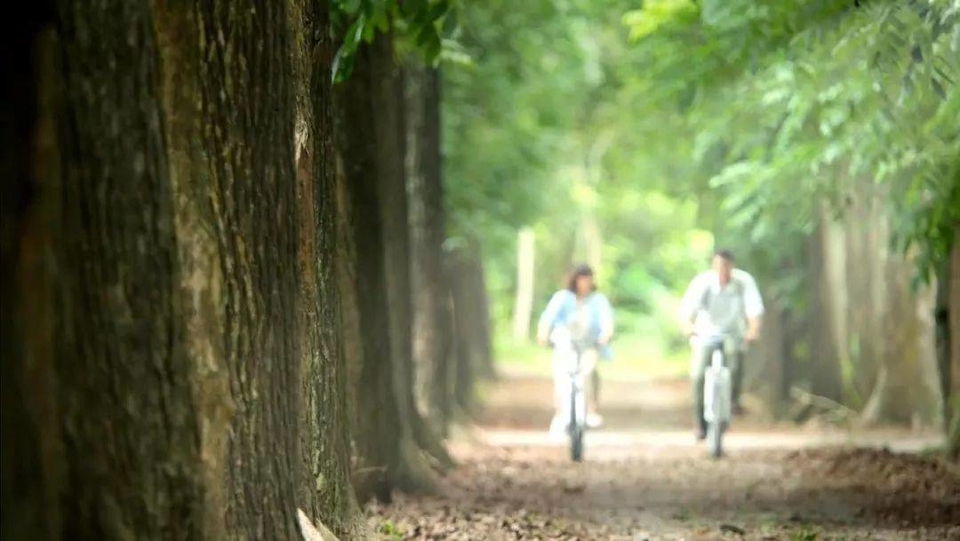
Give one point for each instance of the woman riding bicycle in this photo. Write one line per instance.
(587, 316)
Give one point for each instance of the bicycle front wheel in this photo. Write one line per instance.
(576, 427)
(715, 439)
(715, 428)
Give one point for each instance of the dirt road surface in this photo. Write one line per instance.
(644, 477)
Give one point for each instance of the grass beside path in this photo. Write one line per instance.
(634, 357)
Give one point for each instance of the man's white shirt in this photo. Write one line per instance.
(721, 309)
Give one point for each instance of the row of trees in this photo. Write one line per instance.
(817, 138)
(826, 147)
(215, 262)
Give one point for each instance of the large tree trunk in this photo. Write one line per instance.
(825, 294)
(471, 317)
(943, 345)
(172, 275)
(387, 420)
(907, 390)
(415, 473)
(377, 431)
(432, 335)
(486, 367)
(890, 332)
(326, 449)
(32, 455)
(128, 377)
(953, 435)
(865, 238)
(765, 370)
(467, 328)
(243, 88)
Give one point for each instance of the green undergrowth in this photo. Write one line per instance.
(634, 356)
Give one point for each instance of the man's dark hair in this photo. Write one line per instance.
(580, 270)
(724, 254)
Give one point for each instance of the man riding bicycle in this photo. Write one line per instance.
(721, 301)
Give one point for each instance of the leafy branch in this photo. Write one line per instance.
(419, 23)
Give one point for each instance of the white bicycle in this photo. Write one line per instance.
(576, 407)
(717, 388)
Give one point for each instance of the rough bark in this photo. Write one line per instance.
(244, 92)
(326, 451)
(415, 473)
(173, 275)
(132, 432)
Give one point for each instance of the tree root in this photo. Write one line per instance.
(311, 532)
(807, 406)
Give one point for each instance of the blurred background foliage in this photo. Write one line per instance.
(675, 126)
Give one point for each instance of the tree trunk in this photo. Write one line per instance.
(953, 436)
(765, 364)
(485, 367)
(133, 434)
(171, 277)
(471, 316)
(376, 431)
(431, 316)
(326, 450)
(523, 304)
(32, 455)
(825, 293)
(415, 473)
(865, 237)
(793, 331)
(906, 391)
(467, 328)
(943, 345)
(243, 88)
(387, 420)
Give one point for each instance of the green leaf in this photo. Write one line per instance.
(429, 41)
(438, 10)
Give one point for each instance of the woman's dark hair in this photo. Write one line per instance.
(580, 270)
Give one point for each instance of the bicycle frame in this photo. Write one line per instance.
(576, 409)
(573, 371)
(717, 391)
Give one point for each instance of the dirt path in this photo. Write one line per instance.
(644, 478)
